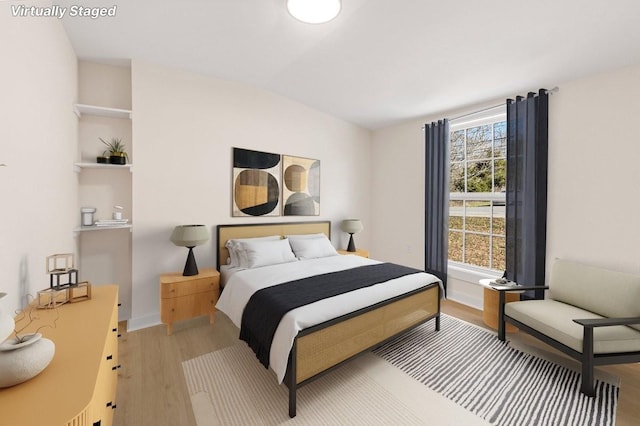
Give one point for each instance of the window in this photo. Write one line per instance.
(477, 199)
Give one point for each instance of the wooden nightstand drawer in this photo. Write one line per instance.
(186, 307)
(185, 288)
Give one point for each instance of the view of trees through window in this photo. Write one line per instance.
(477, 200)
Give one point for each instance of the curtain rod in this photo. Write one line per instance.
(549, 92)
(473, 113)
(478, 111)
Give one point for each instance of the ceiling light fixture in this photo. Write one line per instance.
(314, 11)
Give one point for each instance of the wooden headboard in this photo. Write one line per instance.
(229, 232)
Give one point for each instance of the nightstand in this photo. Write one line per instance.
(358, 252)
(188, 297)
(491, 300)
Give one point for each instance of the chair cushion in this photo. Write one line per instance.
(555, 319)
(608, 293)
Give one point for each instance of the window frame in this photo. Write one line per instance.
(468, 270)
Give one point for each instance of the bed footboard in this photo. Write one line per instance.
(321, 348)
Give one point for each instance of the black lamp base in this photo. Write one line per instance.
(190, 268)
(351, 246)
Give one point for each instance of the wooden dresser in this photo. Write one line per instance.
(78, 388)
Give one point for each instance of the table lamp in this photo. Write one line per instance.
(190, 236)
(351, 226)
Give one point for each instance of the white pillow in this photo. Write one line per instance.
(236, 252)
(233, 259)
(264, 253)
(311, 248)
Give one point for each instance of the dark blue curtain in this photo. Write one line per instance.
(526, 211)
(436, 223)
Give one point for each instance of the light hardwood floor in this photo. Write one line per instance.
(152, 390)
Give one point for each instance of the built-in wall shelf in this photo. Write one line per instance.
(103, 112)
(77, 167)
(80, 109)
(102, 228)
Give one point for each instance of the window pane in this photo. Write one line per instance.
(479, 176)
(456, 177)
(457, 145)
(499, 253)
(479, 142)
(500, 176)
(499, 222)
(477, 250)
(500, 139)
(478, 216)
(455, 214)
(455, 246)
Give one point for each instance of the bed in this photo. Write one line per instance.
(316, 338)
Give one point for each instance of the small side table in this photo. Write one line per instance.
(490, 305)
(188, 297)
(358, 252)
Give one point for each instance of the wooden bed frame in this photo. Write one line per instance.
(320, 349)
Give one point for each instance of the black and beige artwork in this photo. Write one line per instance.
(301, 186)
(256, 183)
(266, 184)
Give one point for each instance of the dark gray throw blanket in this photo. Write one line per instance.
(267, 306)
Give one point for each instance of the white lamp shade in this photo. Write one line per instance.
(189, 235)
(314, 11)
(351, 226)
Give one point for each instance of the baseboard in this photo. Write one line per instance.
(465, 299)
(143, 322)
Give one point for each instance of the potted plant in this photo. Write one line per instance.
(116, 151)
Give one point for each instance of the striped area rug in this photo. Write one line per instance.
(498, 383)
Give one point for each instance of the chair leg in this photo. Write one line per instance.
(501, 324)
(587, 386)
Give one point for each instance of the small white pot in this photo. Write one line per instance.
(22, 361)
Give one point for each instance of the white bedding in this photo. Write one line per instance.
(242, 284)
(226, 271)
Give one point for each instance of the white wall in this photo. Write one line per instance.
(398, 194)
(38, 142)
(104, 85)
(594, 157)
(184, 128)
(594, 164)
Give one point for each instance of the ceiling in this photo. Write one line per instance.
(379, 62)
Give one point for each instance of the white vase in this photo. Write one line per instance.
(21, 361)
